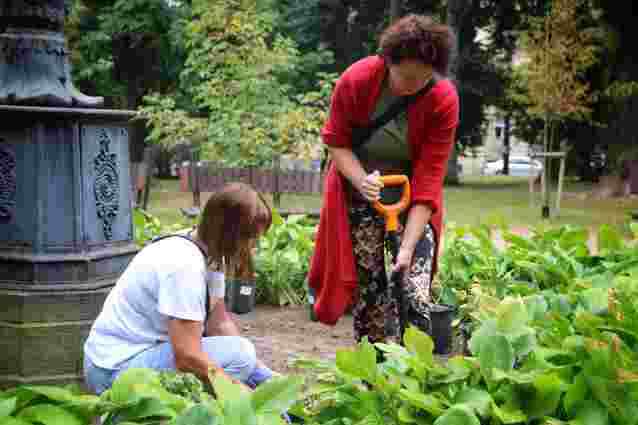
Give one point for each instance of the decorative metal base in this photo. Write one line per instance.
(66, 234)
(34, 70)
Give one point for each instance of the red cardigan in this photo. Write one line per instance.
(432, 123)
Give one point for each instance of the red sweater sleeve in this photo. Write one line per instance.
(337, 130)
(432, 156)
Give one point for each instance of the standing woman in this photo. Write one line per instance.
(348, 263)
(162, 314)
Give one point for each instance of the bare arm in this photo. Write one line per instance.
(185, 338)
(418, 216)
(220, 322)
(349, 166)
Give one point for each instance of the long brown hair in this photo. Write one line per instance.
(232, 219)
(418, 37)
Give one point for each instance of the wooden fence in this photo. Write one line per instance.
(205, 177)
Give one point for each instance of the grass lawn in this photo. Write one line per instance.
(477, 200)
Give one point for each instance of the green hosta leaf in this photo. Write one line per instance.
(574, 239)
(595, 300)
(460, 368)
(426, 402)
(126, 388)
(524, 342)
(576, 393)
(508, 414)
(519, 242)
(574, 343)
(277, 394)
(609, 239)
(49, 414)
(51, 392)
(591, 412)
(479, 401)
(7, 407)
(497, 354)
(405, 415)
(458, 415)
(419, 343)
(196, 415)
(236, 403)
(360, 363)
(227, 390)
(391, 348)
(511, 315)
(371, 405)
(518, 377)
(547, 395)
(482, 336)
(537, 307)
(146, 408)
(277, 219)
(10, 420)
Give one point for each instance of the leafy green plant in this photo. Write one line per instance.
(282, 260)
(148, 226)
(140, 396)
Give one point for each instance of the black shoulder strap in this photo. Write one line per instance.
(202, 248)
(389, 114)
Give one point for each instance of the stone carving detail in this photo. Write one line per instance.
(7, 182)
(107, 185)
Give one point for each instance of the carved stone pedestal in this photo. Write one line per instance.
(66, 234)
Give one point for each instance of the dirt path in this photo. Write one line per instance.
(282, 335)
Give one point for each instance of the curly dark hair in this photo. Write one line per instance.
(418, 37)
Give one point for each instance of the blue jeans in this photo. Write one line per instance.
(234, 354)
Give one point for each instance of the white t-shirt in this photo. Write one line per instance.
(166, 279)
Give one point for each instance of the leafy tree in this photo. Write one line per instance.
(300, 21)
(561, 48)
(233, 75)
(122, 48)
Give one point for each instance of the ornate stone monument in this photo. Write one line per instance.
(65, 210)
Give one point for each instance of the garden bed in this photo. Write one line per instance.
(284, 334)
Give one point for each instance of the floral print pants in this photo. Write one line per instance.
(376, 310)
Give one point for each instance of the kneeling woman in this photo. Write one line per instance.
(160, 314)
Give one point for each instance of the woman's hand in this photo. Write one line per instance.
(403, 261)
(370, 187)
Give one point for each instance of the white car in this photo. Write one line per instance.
(520, 166)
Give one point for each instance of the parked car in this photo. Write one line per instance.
(520, 166)
(593, 165)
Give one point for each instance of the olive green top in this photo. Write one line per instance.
(387, 150)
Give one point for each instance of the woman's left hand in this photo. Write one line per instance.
(403, 261)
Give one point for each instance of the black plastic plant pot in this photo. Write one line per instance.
(240, 295)
(442, 316)
(311, 304)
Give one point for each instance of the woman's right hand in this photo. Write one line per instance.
(370, 187)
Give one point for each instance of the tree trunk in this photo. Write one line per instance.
(457, 10)
(333, 18)
(422, 7)
(506, 145)
(453, 178)
(546, 146)
(395, 10)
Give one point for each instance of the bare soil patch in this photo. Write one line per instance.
(282, 335)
